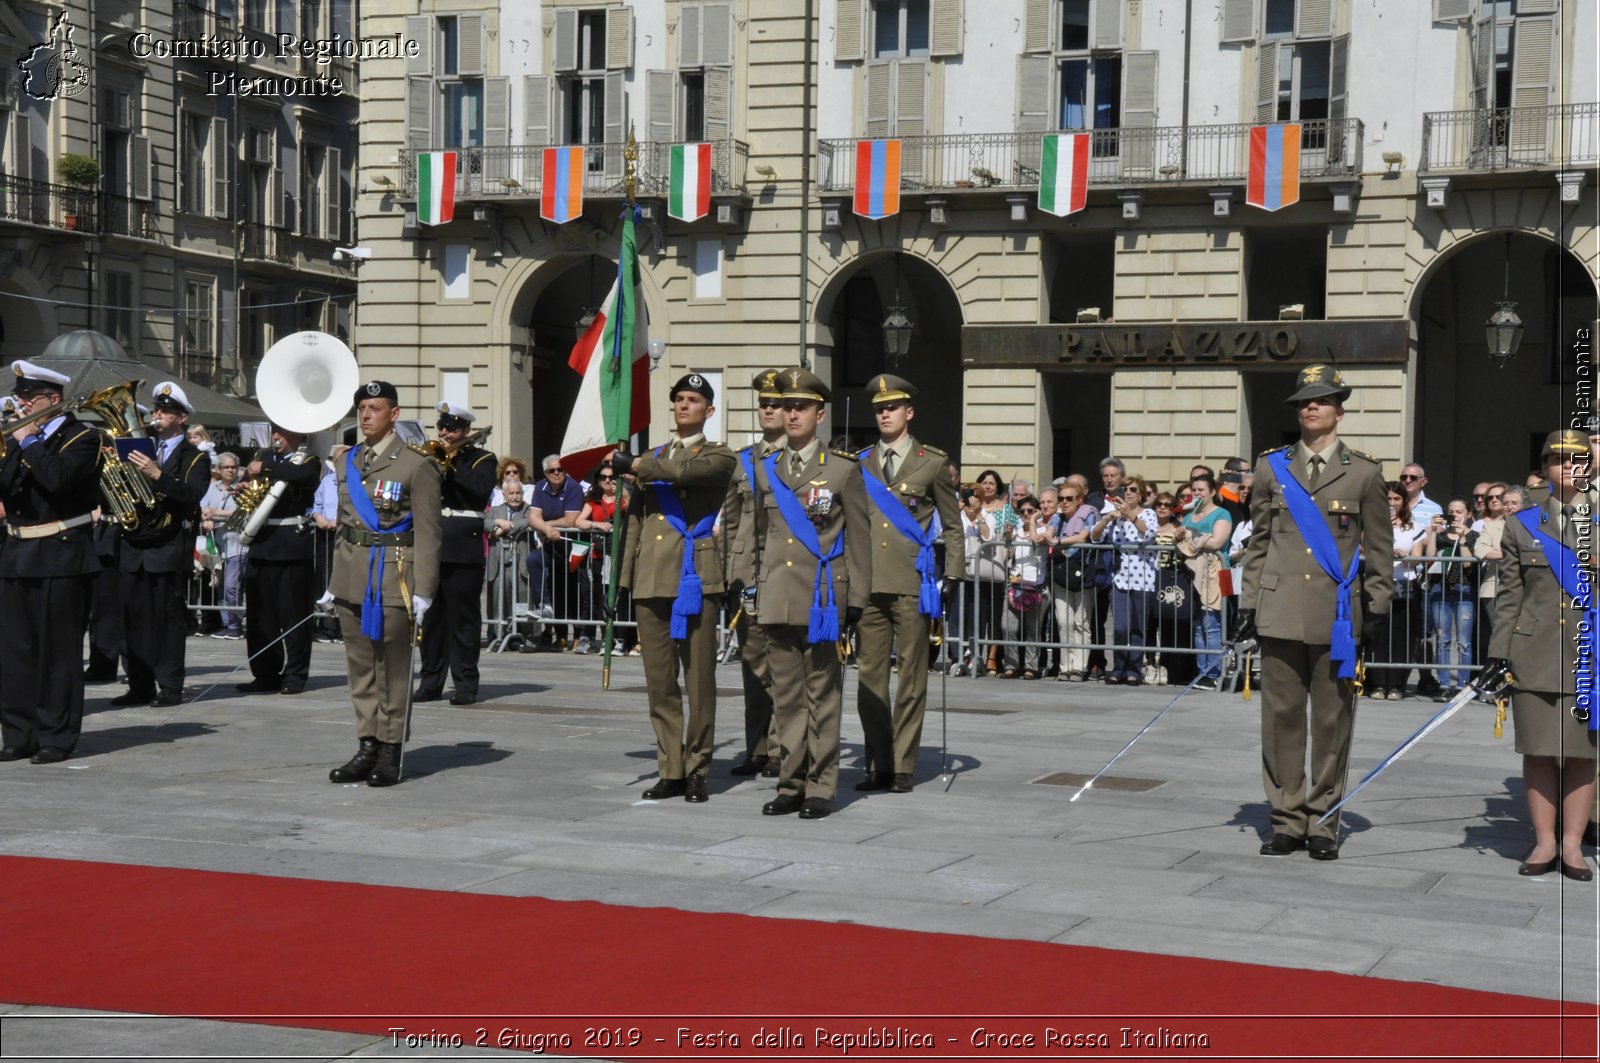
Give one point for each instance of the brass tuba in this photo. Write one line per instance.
(128, 494)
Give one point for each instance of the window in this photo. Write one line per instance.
(1283, 267)
(195, 175)
(1278, 18)
(584, 93)
(899, 28)
(1515, 61)
(255, 15)
(693, 118)
(321, 191)
(694, 102)
(1303, 83)
(196, 338)
(708, 269)
(1091, 96)
(117, 320)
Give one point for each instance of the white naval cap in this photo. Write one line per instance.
(32, 377)
(450, 409)
(169, 396)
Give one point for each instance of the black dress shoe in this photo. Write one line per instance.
(358, 767)
(666, 788)
(694, 790)
(386, 768)
(749, 765)
(1576, 872)
(54, 755)
(1542, 868)
(1282, 845)
(10, 753)
(1323, 848)
(816, 808)
(122, 701)
(771, 770)
(167, 698)
(255, 686)
(782, 805)
(426, 695)
(292, 688)
(464, 699)
(875, 780)
(901, 784)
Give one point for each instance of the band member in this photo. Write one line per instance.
(49, 484)
(157, 554)
(673, 567)
(1319, 509)
(738, 539)
(1544, 631)
(906, 486)
(106, 643)
(812, 564)
(280, 581)
(385, 575)
(456, 631)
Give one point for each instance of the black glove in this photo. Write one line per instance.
(1496, 672)
(852, 615)
(622, 462)
(1244, 626)
(1372, 632)
(735, 588)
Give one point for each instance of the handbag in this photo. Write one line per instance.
(1174, 595)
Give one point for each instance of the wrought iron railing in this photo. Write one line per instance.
(266, 243)
(42, 203)
(122, 216)
(517, 171)
(1329, 148)
(1511, 138)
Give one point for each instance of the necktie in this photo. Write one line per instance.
(797, 464)
(888, 466)
(1314, 471)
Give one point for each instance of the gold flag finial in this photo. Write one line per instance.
(630, 157)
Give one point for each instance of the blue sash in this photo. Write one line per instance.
(691, 592)
(1574, 582)
(372, 601)
(1314, 530)
(824, 619)
(747, 458)
(900, 518)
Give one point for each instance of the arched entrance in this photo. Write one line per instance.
(1472, 420)
(25, 326)
(854, 307)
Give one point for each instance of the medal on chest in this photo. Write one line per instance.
(386, 495)
(819, 503)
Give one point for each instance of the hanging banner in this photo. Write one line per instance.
(561, 185)
(1274, 180)
(877, 178)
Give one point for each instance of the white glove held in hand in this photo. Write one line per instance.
(419, 607)
(325, 603)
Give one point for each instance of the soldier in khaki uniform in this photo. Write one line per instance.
(1536, 635)
(681, 486)
(1308, 620)
(385, 575)
(906, 485)
(814, 574)
(738, 540)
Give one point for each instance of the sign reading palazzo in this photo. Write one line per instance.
(1241, 344)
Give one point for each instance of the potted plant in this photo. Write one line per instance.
(79, 172)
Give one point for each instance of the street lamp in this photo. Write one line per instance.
(896, 333)
(1503, 330)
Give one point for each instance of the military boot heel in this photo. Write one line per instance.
(359, 766)
(386, 772)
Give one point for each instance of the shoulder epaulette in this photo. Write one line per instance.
(931, 449)
(1364, 455)
(485, 456)
(843, 454)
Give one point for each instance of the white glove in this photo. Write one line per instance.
(325, 603)
(419, 607)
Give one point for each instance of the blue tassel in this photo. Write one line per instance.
(1343, 649)
(372, 601)
(824, 626)
(688, 603)
(928, 603)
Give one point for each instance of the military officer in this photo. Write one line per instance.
(1318, 509)
(49, 484)
(1545, 633)
(812, 564)
(906, 485)
(673, 567)
(454, 636)
(738, 540)
(385, 575)
(279, 578)
(157, 554)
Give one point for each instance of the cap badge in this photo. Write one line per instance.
(695, 381)
(166, 389)
(373, 388)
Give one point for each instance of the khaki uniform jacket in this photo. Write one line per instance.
(1292, 595)
(653, 555)
(923, 487)
(417, 564)
(1534, 622)
(739, 516)
(788, 573)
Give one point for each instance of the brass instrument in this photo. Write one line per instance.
(446, 455)
(128, 494)
(13, 422)
(247, 498)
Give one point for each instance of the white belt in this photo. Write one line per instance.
(475, 514)
(286, 522)
(44, 531)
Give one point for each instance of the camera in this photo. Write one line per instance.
(1233, 477)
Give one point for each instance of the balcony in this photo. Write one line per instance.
(52, 206)
(265, 243)
(515, 172)
(1126, 157)
(121, 216)
(1511, 138)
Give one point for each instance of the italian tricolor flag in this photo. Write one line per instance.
(689, 190)
(614, 397)
(436, 187)
(1064, 173)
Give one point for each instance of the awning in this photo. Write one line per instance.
(95, 360)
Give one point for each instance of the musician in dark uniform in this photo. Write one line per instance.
(105, 608)
(49, 483)
(455, 633)
(157, 555)
(280, 584)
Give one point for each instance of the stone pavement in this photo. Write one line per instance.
(535, 792)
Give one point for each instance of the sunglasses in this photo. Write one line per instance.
(554, 472)
(604, 478)
(1165, 505)
(1028, 511)
(1070, 498)
(1494, 498)
(887, 407)
(770, 404)
(1409, 476)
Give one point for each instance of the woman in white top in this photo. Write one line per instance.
(1129, 524)
(1405, 615)
(985, 516)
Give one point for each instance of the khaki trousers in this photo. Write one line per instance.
(1292, 672)
(807, 693)
(679, 752)
(890, 621)
(760, 725)
(380, 672)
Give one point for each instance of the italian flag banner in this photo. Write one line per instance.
(436, 187)
(1064, 173)
(689, 189)
(614, 396)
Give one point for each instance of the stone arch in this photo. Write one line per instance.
(26, 325)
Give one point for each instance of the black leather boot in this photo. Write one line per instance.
(386, 772)
(359, 766)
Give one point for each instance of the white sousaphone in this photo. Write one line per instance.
(304, 383)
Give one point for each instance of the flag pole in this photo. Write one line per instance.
(622, 355)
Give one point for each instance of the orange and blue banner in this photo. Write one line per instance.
(561, 185)
(1274, 180)
(877, 178)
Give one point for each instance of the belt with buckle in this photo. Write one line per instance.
(363, 537)
(285, 522)
(44, 531)
(474, 514)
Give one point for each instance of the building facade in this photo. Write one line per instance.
(1446, 160)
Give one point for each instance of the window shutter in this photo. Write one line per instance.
(1267, 82)
(536, 110)
(1534, 64)
(849, 31)
(1036, 33)
(566, 39)
(221, 167)
(181, 170)
(616, 119)
(496, 112)
(1313, 18)
(911, 116)
(1538, 7)
(1139, 112)
(286, 19)
(1108, 24)
(719, 103)
(419, 113)
(1238, 21)
(420, 28)
(142, 181)
(343, 18)
(1451, 10)
(716, 34)
(1482, 65)
(879, 93)
(469, 45)
(662, 89)
(689, 36)
(619, 38)
(946, 29)
(1033, 106)
(1339, 100)
(330, 194)
(280, 199)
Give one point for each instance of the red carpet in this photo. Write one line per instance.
(622, 982)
